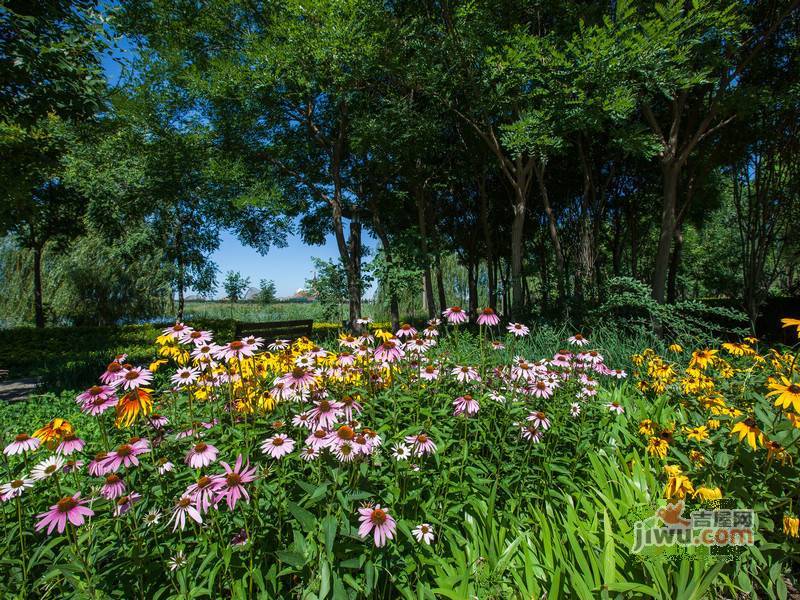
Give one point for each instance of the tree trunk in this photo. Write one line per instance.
(674, 267)
(670, 190)
(422, 221)
(487, 240)
(38, 306)
(181, 272)
(354, 270)
(394, 306)
(440, 283)
(553, 231)
(616, 248)
(543, 273)
(472, 286)
(517, 227)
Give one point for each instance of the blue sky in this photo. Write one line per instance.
(288, 267)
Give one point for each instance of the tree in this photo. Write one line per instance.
(51, 78)
(329, 286)
(235, 285)
(266, 291)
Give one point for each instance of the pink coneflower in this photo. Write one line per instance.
(319, 439)
(114, 487)
(455, 315)
(465, 404)
(378, 520)
(342, 435)
(373, 437)
(113, 372)
(124, 456)
(303, 419)
(203, 491)
(345, 359)
(539, 419)
(518, 329)
(70, 443)
(488, 317)
(96, 467)
(298, 378)
(615, 407)
(389, 351)
(423, 533)
(348, 341)
(125, 503)
(344, 451)
(93, 393)
(22, 443)
(430, 332)
(497, 345)
(592, 357)
(99, 405)
(325, 413)
(196, 337)
(562, 359)
(466, 374)
(232, 488)
(133, 378)
(531, 433)
(541, 389)
(183, 507)
(418, 345)
(164, 466)
(309, 453)
(234, 349)
(574, 409)
(253, 342)
(14, 488)
(185, 376)
(157, 421)
(278, 345)
(72, 466)
(201, 455)
(70, 508)
(176, 331)
(523, 370)
(429, 373)
(277, 446)
(421, 444)
(350, 407)
(578, 340)
(406, 330)
(618, 373)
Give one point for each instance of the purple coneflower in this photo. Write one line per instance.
(540, 389)
(326, 412)
(488, 317)
(176, 331)
(318, 439)
(70, 508)
(518, 329)
(421, 444)
(465, 404)
(455, 315)
(232, 488)
(277, 446)
(203, 492)
(389, 352)
(406, 330)
(615, 407)
(114, 487)
(466, 374)
(125, 503)
(95, 392)
(379, 521)
(423, 533)
(124, 456)
(133, 378)
(574, 409)
(350, 407)
(578, 340)
(112, 373)
(497, 345)
(539, 419)
(22, 443)
(185, 376)
(234, 349)
(309, 453)
(401, 452)
(201, 455)
(15, 488)
(298, 378)
(531, 433)
(183, 507)
(196, 337)
(303, 419)
(70, 443)
(429, 373)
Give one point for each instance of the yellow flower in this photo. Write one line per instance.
(777, 452)
(702, 358)
(55, 430)
(637, 359)
(794, 419)
(791, 526)
(697, 434)
(788, 394)
(383, 335)
(697, 457)
(751, 340)
(713, 423)
(657, 447)
(792, 323)
(676, 348)
(748, 429)
(646, 427)
(738, 349)
(154, 366)
(708, 493)
(678, 484)
(131, 404)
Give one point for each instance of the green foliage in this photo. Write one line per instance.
(329, 287)
(235, 285)
(266, 291)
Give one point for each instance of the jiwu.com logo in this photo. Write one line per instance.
(669, 527)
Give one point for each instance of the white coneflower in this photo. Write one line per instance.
(15, 488)
(401, 452)
(152, 517)
(423, 533)
(48, 467)
(574, 409)
(178, 561)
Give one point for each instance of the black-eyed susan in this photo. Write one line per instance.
(789, 322)
(791, 526)
(707, 493)
(657, 447)
(676, 348)
(702, 358)
(738, 349)
(776, 452)
(647, 427)
(713, 423)
(787, 392)
(697, 434)
(678, 484)
(697, 458)
(748, 430)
